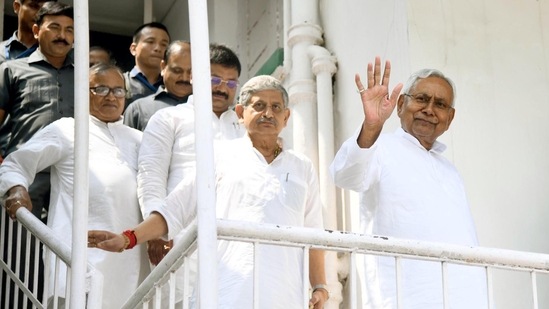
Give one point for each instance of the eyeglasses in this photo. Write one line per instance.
(104, 91)
(261, 107)
(216, 81)
(423, 100)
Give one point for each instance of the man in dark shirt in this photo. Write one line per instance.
(36, 91)
(20, 45)
(176, 74)
(148, 47)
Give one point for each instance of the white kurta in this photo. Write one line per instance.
(409, 192)
(113, 204)
(249, 189)
(167, 152)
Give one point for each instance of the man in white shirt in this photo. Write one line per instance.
(409, 190)
(256, 181)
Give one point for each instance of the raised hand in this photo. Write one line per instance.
(377, 104)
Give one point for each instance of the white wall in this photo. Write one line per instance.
(497, 54)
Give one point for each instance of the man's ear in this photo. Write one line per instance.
(132, 49)
(286, 116)
(400, 103)
(163, 65)
(239, 109)
(35, 30)
(16, 7)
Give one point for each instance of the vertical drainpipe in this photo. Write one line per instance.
(304, 34)
(324, 66)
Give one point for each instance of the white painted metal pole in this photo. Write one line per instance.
(81, 146)
(202, 92)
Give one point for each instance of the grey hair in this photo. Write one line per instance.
(261, 83)
(101, 68)
(414, 78)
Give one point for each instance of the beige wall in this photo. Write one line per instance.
(497, 54)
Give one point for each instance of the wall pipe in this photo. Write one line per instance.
(324, 66)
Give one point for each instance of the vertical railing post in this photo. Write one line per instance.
(202, 92)
(81, 146)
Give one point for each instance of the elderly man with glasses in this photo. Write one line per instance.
(113, 186)
(256, 181)
(409, 190)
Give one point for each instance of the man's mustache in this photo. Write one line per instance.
(221, 94)
(61, 41)
(183, 82)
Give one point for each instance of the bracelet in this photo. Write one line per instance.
(126, 243)
(322, 287)
(131, 239)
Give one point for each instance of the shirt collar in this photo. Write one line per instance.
(438, 147)
(37, 56)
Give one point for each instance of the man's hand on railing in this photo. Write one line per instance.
(319, 298)
(17, 197)
(106, 240)
(157, 249)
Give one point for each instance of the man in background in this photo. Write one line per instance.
(176, 75)
(148, 47)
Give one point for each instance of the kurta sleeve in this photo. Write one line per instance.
(44, 149)
(352, 165)
(179, 207)
(313, 207)
(155, 156)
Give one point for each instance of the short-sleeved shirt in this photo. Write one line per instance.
(34, 94)
(137, 114)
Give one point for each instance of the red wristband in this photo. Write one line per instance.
(131, 236)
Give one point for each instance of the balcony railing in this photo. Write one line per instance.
(348, 244)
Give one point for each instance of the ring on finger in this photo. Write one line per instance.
(361, 90)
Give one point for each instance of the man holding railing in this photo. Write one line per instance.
(258, 181)
(409, 190)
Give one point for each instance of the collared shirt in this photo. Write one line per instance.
(138, 113)
(13, 49)
(138, 86)
(113, 202)
(413, 193)
(248, 188)
(167, 152)
(34, 94)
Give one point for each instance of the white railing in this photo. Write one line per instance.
(351, 244)
(150, 292)
(15, 290)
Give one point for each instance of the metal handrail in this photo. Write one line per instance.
(44, 233)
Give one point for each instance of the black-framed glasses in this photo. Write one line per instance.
(423, 100)
(216, 81)
(104, 91)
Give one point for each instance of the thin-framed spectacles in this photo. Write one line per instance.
(423, 100)
(216, 81)
(261, 107)
(104, 91)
